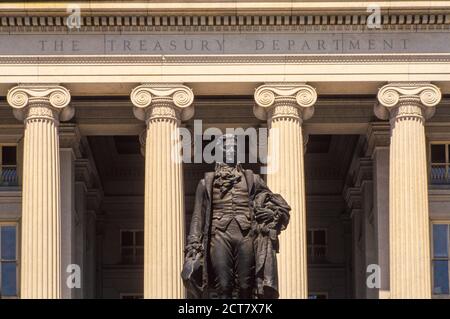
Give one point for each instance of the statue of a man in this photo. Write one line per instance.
(234, 231)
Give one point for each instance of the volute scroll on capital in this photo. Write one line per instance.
(298, 95)
(55, 97)
(425, 96)
(177, 96)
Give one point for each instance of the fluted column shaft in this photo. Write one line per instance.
(408, 106)
(41, 109)
(286, 106)
(162, 107)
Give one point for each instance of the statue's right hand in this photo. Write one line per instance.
(191, 253)
(193, 249)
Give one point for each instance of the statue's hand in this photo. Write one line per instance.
(193, 249)
(264, 215)
(190, 254)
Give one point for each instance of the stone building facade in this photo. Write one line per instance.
(95, 198)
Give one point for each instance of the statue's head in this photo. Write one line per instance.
(227, 145)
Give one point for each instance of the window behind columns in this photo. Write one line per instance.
(440, 163)
(440, 255)
(317, 245)
(8, 165)
(132, 246)
(8, 260)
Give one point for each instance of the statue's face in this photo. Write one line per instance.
(228, 147)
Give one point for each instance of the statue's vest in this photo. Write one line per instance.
(233, 205)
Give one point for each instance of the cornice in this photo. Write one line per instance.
(167, 22)
(231, 7)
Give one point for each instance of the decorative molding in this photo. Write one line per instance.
(87, 174)
(214, 21)
(83, 171)
(10, 196)
(86, 171)
(162, 101)
(224, 59)
(353, 199)
(437, 131)
(294, 100)
(215, 7)
(363, 171)
(378, 135)
(407, 99)
(70, 137)
(32, 101)
(94, 198)
(359, 173)
(11, 133)
(319, 28)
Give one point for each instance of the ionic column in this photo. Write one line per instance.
(162, 107)
(408, 105)
(41, 107)
(285, 106)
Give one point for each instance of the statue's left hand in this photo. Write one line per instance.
(264, 215)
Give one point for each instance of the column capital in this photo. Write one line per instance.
(171, 101)
(407, 99)
(284, 100)
(31, 101)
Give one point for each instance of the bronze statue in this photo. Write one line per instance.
(234, 231)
